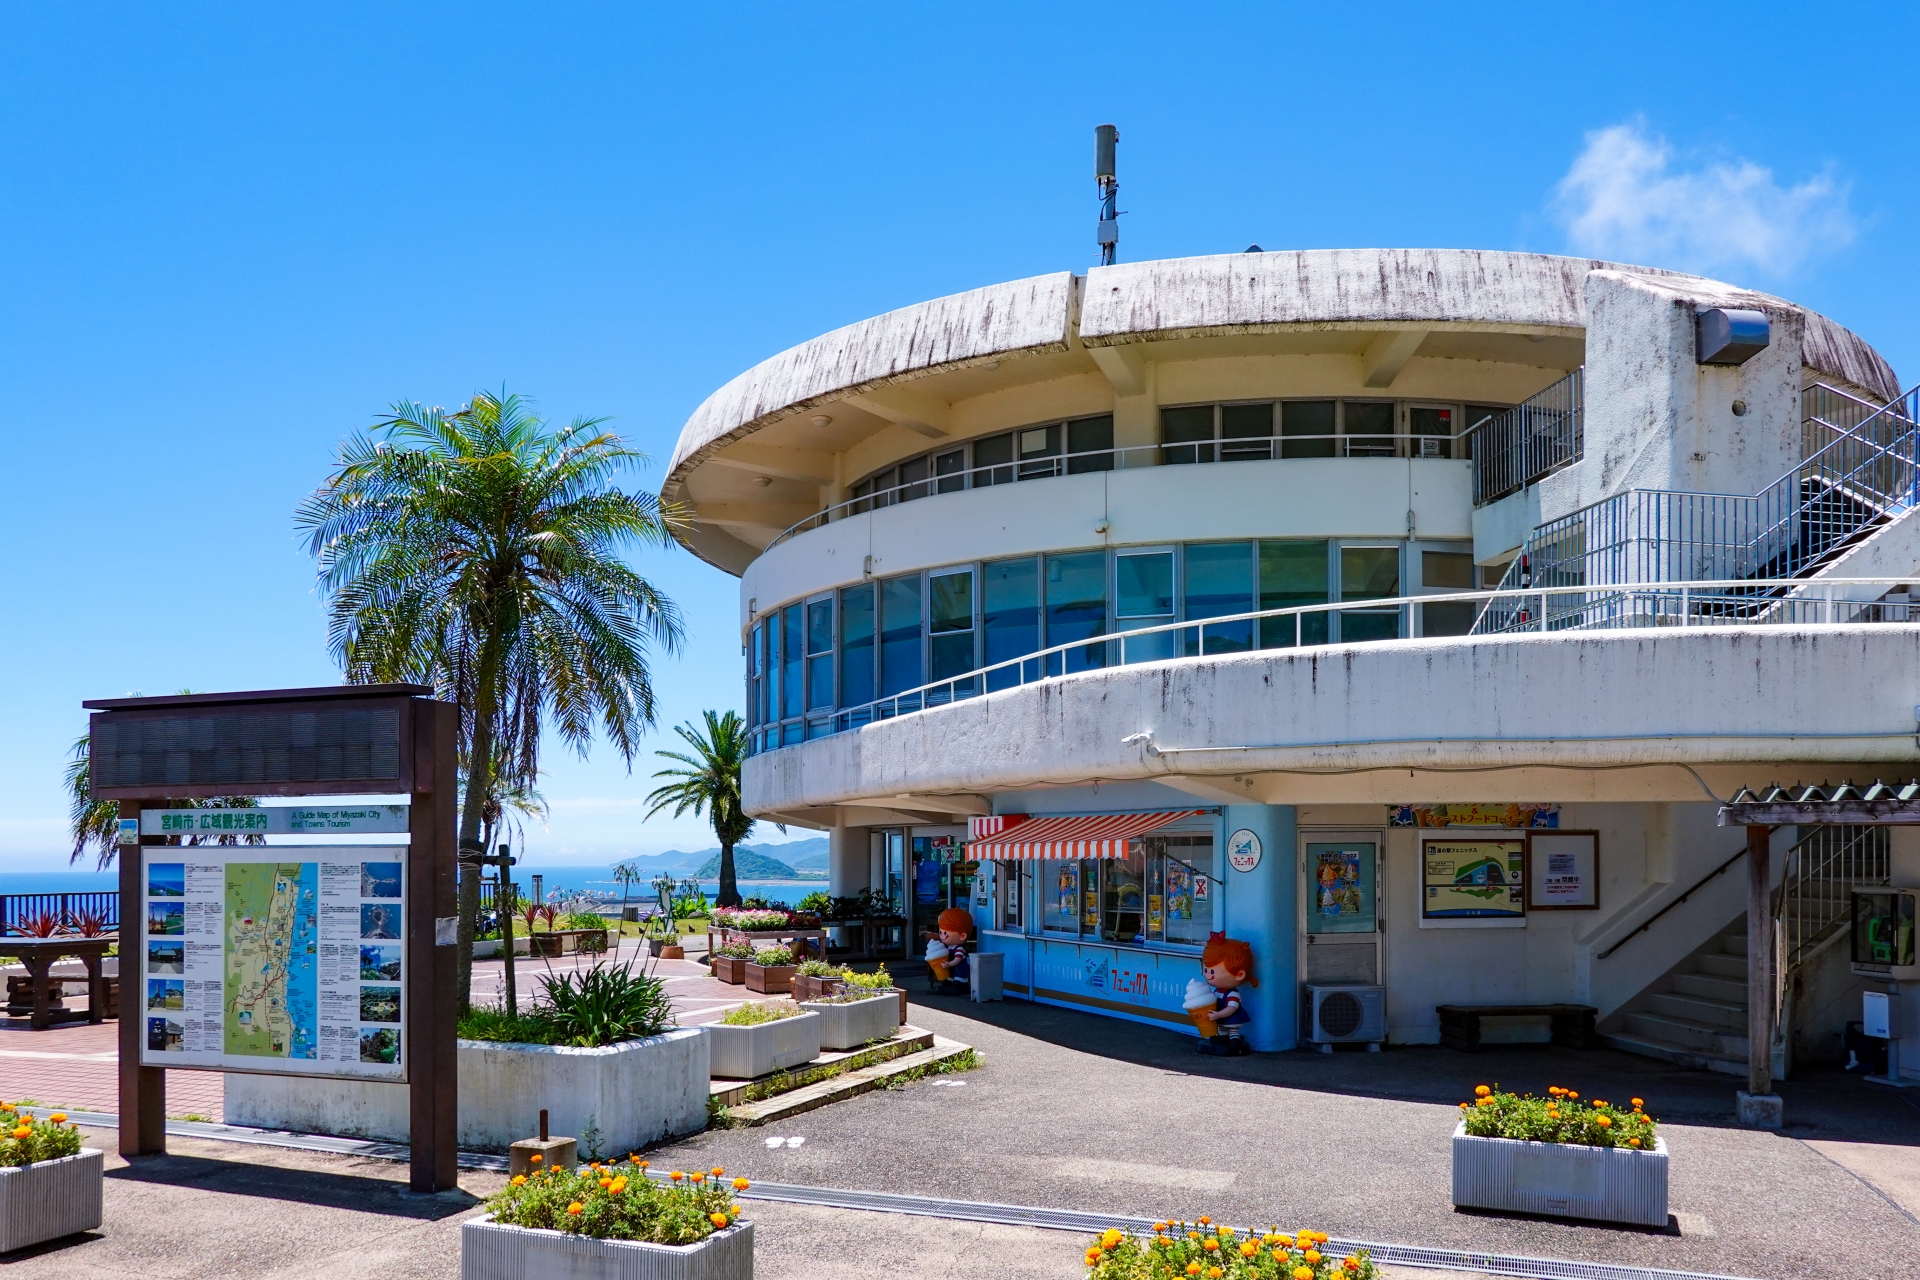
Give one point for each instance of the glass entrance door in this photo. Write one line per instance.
(1340, 887)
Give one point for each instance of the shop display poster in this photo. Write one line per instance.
(1473, 878)
(275, 959)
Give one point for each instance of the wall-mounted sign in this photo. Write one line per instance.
(1563, 871)
(1508, 817)
(289, 960)
(285, 820)
(1473, 879)
(1243, 850)
(129, 831)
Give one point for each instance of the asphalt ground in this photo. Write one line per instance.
(1077, 1111)
(216, 1209)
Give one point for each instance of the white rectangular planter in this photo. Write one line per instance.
(747, 1053)
(850, 1025)
(51, 1199)
(638, 1092)
(489, 1251)
(1609, 1184)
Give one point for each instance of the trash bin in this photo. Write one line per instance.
(985, 970)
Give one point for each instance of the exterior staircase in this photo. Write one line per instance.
(1699, 1017)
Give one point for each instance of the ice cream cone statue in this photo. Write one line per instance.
(1199, 1006)
(1227, 964)
(937, 959)
(947, 954)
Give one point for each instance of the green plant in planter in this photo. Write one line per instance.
(735, 951)
(25, 1141)
(583, 920)
(1561, 1116)
(817, 969)
(818, 902)
(611, 1202)
(878, 980)
(770, 956)
(752, 1015)
(586, 1008)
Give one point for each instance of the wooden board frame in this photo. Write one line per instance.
(1532, 863)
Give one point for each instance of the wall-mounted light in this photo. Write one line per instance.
(1729, 336)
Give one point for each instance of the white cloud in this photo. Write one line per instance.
(1621, 199)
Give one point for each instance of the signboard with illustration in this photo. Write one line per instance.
(1507, 817)
(1340, 887)
(1473, 879)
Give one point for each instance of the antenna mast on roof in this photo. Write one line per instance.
(1105, 139)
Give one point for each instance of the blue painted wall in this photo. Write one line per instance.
(1261, 908)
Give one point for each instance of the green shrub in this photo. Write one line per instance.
(1561, 1116)
(752, 1015)
(687, 908)
(816, 902)
(583, 920)
(735, 951)
(817, 969)
(769, 956)
(878, 980)
(25, 1141)
(586, 1009)
(610, 1202)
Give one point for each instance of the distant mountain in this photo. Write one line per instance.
(748, 865)
(805, 857)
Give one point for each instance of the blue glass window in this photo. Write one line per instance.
(1219, 581)
(900, 660)
(1010, 609)
(1076, 587)
(856, 646)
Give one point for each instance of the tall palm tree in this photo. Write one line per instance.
(479, 551)
(709, 782)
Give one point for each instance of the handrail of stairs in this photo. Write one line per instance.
(1649, 923)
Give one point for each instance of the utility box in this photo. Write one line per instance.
(1883, 933)
(1876, 1015)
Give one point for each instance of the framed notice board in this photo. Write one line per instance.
(1473, 881)
(1563, 871)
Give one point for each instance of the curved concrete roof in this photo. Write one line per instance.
(1195, 297)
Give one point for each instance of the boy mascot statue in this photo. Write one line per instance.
(1228, 966)
(947, 955)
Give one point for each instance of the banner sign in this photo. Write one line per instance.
(1510, 817)
(289, 960)
(287, 820)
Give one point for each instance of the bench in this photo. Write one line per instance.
(1572, 1023)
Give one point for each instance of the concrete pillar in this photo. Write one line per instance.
(1136, 418)
(847, 868)
(1260, 908)
(1759, 1105)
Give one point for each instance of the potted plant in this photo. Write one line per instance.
(770, 971)
(1177, 1250)
(757, 1039)
(611, 1220)
(50, 1186)
(815, 979)
(1560, 1155)
(875, 983)
(730, 962)
(854, 1016)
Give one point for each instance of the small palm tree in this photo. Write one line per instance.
(709, 782)
(480, 551)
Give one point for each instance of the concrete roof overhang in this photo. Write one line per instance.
(1674, 715)
(1477, 304)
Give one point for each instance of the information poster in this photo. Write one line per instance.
(275, 959)
(1474, 879)
(1564, 871)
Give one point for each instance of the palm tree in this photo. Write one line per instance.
(709, 782)
(479, 551)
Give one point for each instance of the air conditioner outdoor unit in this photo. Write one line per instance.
(1347, 1015)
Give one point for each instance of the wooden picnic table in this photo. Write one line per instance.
(38, 955)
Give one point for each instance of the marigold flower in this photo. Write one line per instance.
(1312, 1255)
(1303, 1273)
(676, 1175)
(1225, 1231)
(718, 1220)
(23, 1133)
(1484, 1102)
(1572, 1094)
(1285, 1242)
(593, 1164)
(1481, 1091)
(1351, 1264)
(1193, 1268)
(718, 1172)
(1633, 1142)
(534, 1158)
(635, 1159)
(1214, 1273)
(606, 1182)
(519, 1179)
(1249, 1249)
(58, 1117)
(1210, 1244)
(1159, 1226)
(1111, 1238)
(1605, 1122)
(741, 1184)
(1555, 1090)
(1093, 1254)
(1204, 1220)
(696, 1177)
(576, 1208)
(1638, 1103)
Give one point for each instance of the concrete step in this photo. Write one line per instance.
(851, 1084)
(1652, 1047)
(1734, 944)
(1733, 1044)
(1692, 1035)
(1715, 1015)
(1724, 966)
(831, 1062)
(1712, 987)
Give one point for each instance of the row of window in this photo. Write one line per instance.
(813, 666)
(1232, 432)
(1162, 892)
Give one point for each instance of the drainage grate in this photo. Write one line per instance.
(1011, 1215)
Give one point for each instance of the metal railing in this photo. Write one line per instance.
(1126, 458)
(1733, 602)
(1536, 437)
(1815, 898)
(17, 908)
(1862, 477)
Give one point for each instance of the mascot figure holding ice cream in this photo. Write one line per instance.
(947, 954)
(1214, 1005)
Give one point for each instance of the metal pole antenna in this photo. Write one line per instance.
(1106, 139)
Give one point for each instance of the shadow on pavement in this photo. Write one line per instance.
(1820, 1102)
(328, 1190)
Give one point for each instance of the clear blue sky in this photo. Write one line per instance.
(231, 234)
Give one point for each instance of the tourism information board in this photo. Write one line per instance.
(286, 959)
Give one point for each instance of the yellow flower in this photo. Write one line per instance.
(1094, 1255)
(1481, 1091)
(1249, 1249)
(1555, 1090)
(718, 1172)
(741, 1184)
(1303, 1273)
(1285, 1242)
(1214, 1273)
(676, 1175)
(534, 1158)
(718, 1220)
(606, 1182)
(1638, 1103)
(1571, 1094)
(58, 1117)
(1633, 1142)
(594, 1165)
(1193, 1268)
(1225, 1231)
(1313, 1256)
(1605, 1122)
(1204, 1220)
(696, 1177)
(1111, 1238)
(1159, 1226)
(576, 1208)
(519, 1179)
(1210, 1244)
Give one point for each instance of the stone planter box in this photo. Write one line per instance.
(638, 1092)
(1563, 1180)
(53, 1198)
(805, 988)
(730, 969)
(489, 1251)
(770, 979)
(747, 1053)
(489, 948)
(850, 1025)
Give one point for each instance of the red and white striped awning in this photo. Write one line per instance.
(1094, 836)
